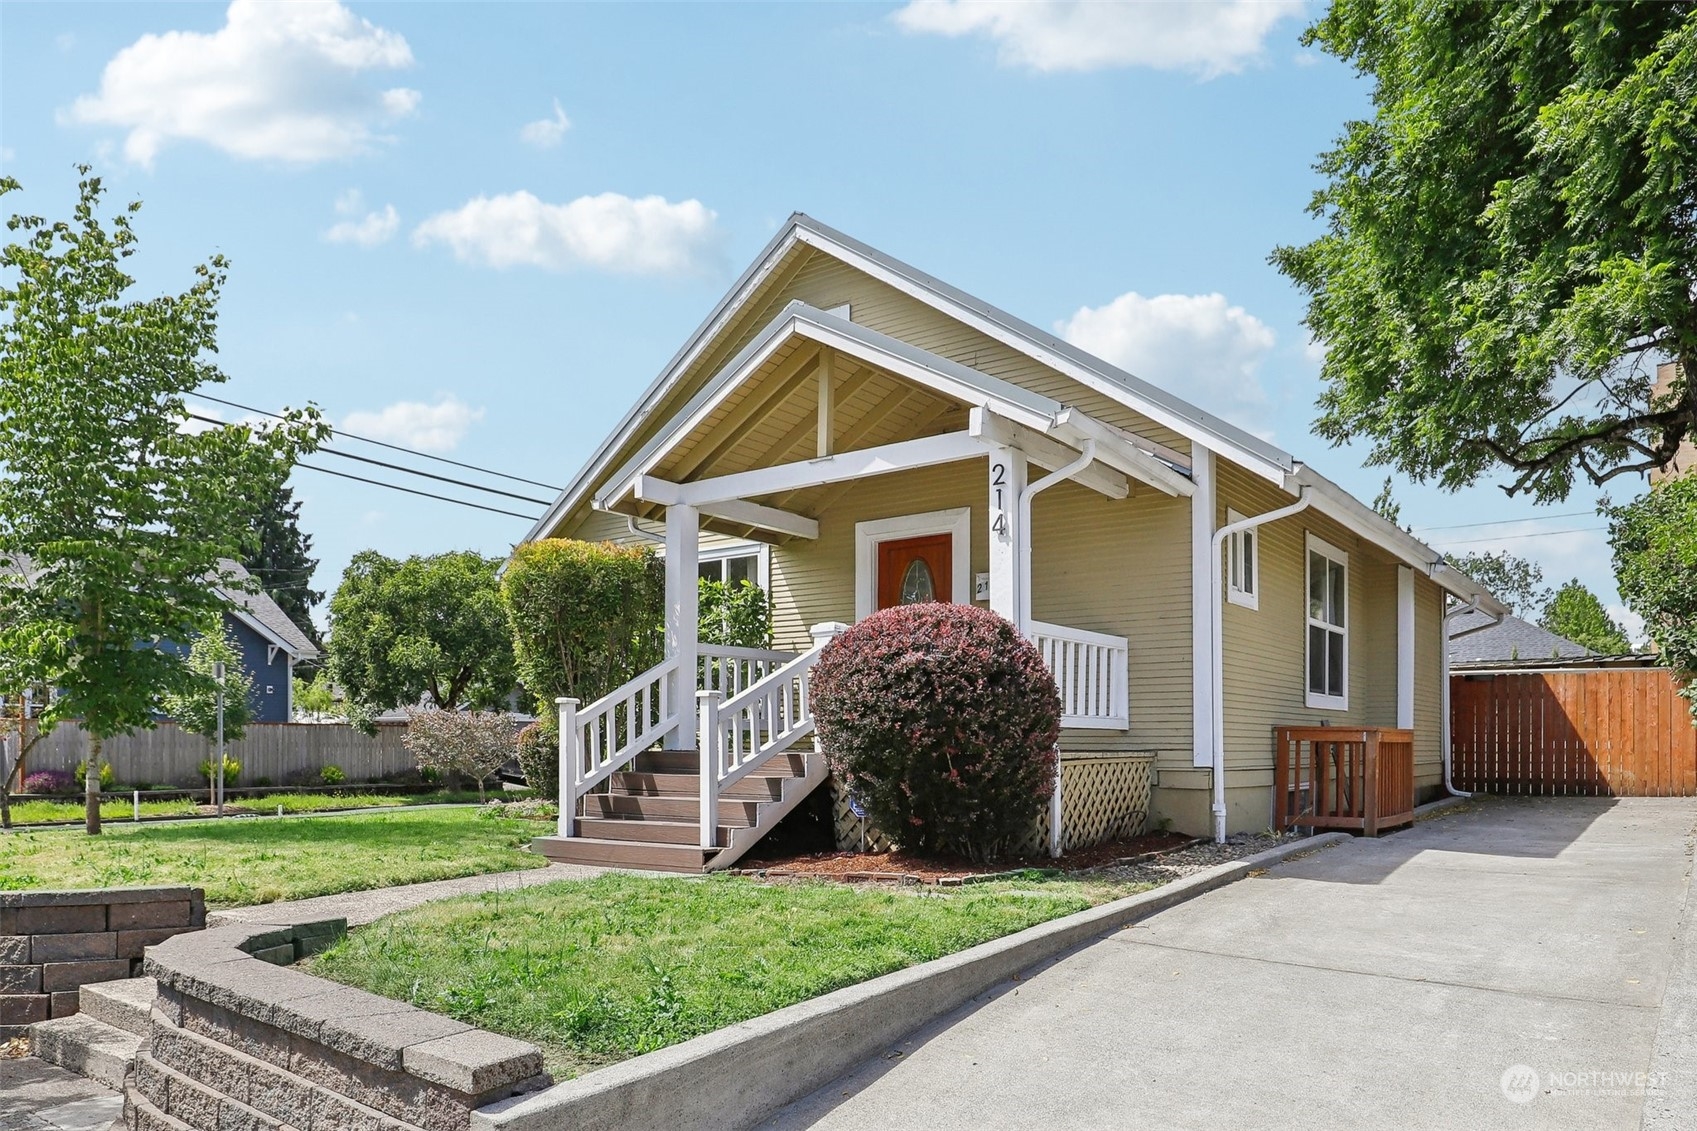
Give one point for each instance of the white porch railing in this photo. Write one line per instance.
(720, 667)
(1090, 668)
(605, 736)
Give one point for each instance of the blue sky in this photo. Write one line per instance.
(482, 229)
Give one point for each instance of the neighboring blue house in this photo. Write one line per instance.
(271, 644)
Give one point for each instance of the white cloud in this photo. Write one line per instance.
(277, 81)
(435, 427)
(367, 231)
(545, 133)
(1197, 345)
(646, 236)
(1314, 350)
(1069, 35)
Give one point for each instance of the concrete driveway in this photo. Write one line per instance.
(1521, 963)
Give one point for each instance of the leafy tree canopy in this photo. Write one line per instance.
(194, 704)
(282, 561)
(1576, 613)
(1655, 559)
(114, 515)
(1511, 239)
(1515, 582)
(401, 629)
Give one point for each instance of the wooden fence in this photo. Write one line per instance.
(168, 755)
(1620, 732)
(1356, 778)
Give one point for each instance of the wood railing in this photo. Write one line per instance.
(1355, 778)
(1090, 669)
(720, 667)
(602, 738)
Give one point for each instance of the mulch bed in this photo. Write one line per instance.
(901, 867)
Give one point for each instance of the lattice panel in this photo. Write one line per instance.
(1101, 799)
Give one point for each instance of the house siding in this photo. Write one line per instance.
(270, 698)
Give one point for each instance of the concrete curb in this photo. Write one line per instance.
(708, 1081)
(1432, 808)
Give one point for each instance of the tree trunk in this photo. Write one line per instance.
(91, 787)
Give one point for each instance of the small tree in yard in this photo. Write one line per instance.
(114, 513)
(1655, 560)
(194, 705)
(944, 721)
(460, 743)
(1578, 614)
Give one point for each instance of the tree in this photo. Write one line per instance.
(114, 516)
(1385, 503)
(193, 704)
(1509, 241)
(1655, 559)
(1515, 582)
(460, 743)
(735, 613)
(435, 625)
(312, 698)
(1578, 614)
(283, 562)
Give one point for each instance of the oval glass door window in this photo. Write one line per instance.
(916, 583)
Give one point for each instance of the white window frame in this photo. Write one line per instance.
(759, 551)
(956, 522)
(1235, 592)
(1312, 546)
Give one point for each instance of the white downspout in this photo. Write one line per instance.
(1444, 725)
(1219, 645)
(1022, 536)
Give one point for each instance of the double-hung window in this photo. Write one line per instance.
(1328, 626)
(1242, 565)
(732, 566)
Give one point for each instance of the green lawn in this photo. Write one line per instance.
(599, 970)
(259, 860)
(121, 809)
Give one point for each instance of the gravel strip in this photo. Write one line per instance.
(1188, 861)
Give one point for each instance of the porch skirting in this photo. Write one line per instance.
(1103, 796)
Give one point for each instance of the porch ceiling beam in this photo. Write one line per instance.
(752, 412)
(1117, 449)
(927, 452)
(1043, 451)
(763, 517)
(828, 499)
(806, 426)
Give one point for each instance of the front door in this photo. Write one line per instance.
(911, 570)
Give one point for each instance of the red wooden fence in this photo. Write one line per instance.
(1356, 778)
(1621, 732)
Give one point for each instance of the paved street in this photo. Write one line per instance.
(1392, 983)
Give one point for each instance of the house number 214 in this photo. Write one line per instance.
(998, 499)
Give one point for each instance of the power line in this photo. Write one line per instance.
(383, 444)
(408, 470)
(1533, 534)
(411, 491)
(1507, 521)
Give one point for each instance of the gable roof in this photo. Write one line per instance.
(260, 613)
(1511, 639)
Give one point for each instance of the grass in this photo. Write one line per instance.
(38, 812)
(243, 861)
(598, 970)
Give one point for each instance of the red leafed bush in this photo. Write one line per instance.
(944, 722)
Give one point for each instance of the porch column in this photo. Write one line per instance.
(1204, 598)
(1405, 647)
(1007, 480)
(683, 549)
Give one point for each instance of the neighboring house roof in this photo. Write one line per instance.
(1200, 427)
(1511, 640)
(259, 612)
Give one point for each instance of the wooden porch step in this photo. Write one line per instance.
(755, 787)
(622, 853)
(647, 831)
(688, 762)
(650, 807)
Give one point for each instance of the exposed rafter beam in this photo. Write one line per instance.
(805, 427)
(763, 517)
(1052, 454)
(827, 499)
(754, 411)
(1117, 449)
(827, 424)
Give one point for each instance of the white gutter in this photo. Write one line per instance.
(1446, 753)
(1022, 536)
(1215, 584)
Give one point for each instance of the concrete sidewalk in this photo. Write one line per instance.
(1402, 983)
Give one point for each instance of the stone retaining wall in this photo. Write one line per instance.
(239, 1040)
(52, 942)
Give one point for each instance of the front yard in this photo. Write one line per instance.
(250, 860)
(599, 970)
(43, 811)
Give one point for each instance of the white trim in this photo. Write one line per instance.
(956, 521)
(760, 551)
(763, 517)
(1312, 545)
(1249, 598)
(683, 612)
(949, 447)
(1202, 604)
(1405, 647)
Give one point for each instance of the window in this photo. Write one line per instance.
(732, 564)
(1242, 572)
(1328, 626)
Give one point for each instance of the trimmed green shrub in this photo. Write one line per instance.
(332, 775)
(232, 770)
(736, 614)
(585, 617)
(539, 759)
(107, 777)
(944, 722)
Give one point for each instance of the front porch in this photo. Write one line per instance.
(833, 447)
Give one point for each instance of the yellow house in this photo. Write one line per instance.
(851, 433)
